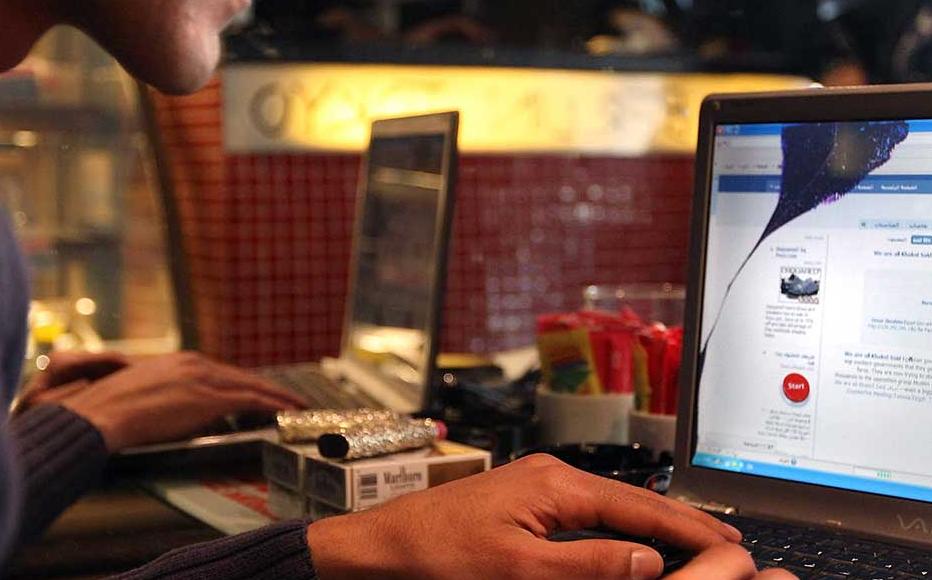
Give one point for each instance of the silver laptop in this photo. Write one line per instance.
(392, 322)
(806, 407)
(390, 335)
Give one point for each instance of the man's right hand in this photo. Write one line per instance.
(169, 397)
(726, 562)
(496, 525)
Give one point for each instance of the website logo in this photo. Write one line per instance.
(915, 525)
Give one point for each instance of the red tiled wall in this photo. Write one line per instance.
(268, 238)
(191, 133)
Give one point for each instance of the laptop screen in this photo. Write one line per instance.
(391, 322)
(816, 330)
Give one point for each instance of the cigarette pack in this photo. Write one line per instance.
(284, 464)
(363, 483)
(318, 510)
(286, 504)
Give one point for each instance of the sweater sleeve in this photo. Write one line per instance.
(60, 457)
(278, 551)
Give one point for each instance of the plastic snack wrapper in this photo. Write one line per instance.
(597, 352)
(567, 361)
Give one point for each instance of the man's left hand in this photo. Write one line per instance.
(67, 373)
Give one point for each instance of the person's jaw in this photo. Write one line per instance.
(173, 45)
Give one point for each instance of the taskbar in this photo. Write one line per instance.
(875, 485)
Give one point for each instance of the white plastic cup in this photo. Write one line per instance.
(656, 432)
(568, 418)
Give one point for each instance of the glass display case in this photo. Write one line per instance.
(78, 179)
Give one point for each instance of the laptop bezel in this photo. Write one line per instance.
(447, 124)
(872, 515)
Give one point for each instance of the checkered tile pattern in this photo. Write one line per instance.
(268, 238)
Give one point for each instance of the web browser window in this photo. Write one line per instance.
(816, 332)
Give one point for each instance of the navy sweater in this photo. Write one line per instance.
(14, 306)
(50, 456)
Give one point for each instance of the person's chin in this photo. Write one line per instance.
(186, 81)
(185, 73)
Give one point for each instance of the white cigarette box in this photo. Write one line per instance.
(363, 483)
(284, 464)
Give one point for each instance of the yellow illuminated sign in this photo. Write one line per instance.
(294, 107)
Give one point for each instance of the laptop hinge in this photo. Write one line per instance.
(710, 506)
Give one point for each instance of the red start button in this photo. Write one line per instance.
(796, 387)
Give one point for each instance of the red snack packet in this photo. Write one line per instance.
(621, 376)
(615, 333)
(600, 340)
(630, 317)
(672, 358)
(558, 321)
(601, 343)
(654, 340)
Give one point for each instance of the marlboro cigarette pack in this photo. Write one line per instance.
(284, 464)
(288, 504)
(363, 483)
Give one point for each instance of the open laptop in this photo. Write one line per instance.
(391, 327)
(806, 407)
(397, 273)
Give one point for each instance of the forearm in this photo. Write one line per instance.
(60, 457)
(274, 552)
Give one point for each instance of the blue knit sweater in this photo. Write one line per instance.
(50, 456)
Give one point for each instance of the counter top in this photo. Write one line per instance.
(111, 530)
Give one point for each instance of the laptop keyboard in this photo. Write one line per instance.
(809, 553)
(320, 391)
(822, 554)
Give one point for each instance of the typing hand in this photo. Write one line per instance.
(67, 373)
(169, 397)
(726, 562)
(496, 525)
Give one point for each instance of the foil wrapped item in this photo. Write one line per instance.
(372, 440)
(304, 426)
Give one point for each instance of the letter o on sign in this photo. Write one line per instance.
(796, 387)
(268, 110)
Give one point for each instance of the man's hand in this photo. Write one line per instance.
(727, 562)
(169, 397)
(67, 373)
(496, 525)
